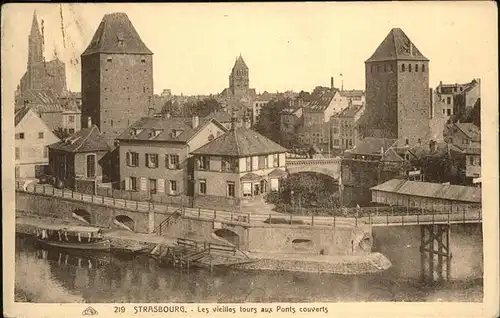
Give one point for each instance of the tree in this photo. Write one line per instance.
(269, 120)
(61, 133)
(201, 108)
(169, 107)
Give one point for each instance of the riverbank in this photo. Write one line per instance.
(126, 241)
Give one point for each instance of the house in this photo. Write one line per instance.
(45, 104)
(236, 168)
(155, 158)
(290, 121)
(261, 100)
(317, 115)
(32, 136)
(354, 96)
(222, 117)
(344, 134)
(78, 161)
(425, 195)
(71, 118)
(463, 135)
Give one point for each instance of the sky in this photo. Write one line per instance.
(287, 46)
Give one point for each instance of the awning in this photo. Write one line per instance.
(251, 177)
(277, 173)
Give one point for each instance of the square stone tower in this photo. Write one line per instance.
(117, 77)
(239, 78)
(397, 91)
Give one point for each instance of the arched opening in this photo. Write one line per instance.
(124, 222)
(302, 245)
(82, 215)
(229, 236)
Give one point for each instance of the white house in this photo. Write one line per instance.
(32, 136)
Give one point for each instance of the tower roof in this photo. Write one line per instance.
(397, 46)
(116, 34)
(240, 63)
(35, 30)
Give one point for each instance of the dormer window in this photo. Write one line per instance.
(143, 60)
(120, 39)
(154, 133)
(176, 133)
(109, 59)
(136, 131)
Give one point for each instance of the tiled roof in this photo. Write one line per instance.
(277, 173)
(350, 111)
(431, 190)
(222, 117)
(19, 115)
(85, 140)
(353, 93)
(240, 142)
(397, 46)
(41, 97)
(323, 102)
(470, 130)
(173, 129)
(240, 63)
(251, 177)
(116, 34)
(372, 146)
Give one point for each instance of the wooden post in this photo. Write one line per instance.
(270, 219)
(431, 253)
(448, 261)
(334, 220)
(248, 218)
(92, 198)
(440, 252)
(312, 220)
(199, 213)
(215, 214)
(53, 190)
(43, 189)
(422, 251)
(102, 199)
(290, 219)
(81, 196)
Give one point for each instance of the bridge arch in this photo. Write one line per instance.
(82, 215)
(124, 222)
(328, 166)
(228, 235)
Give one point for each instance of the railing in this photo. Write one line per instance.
(168, 221)
(206, 246)
(351, 217)
(296, 162)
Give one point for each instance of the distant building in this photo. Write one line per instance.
(354, 97)
(32, 136)
(222, 117)
(317, 116)
(77, 160)
(117, 77)
(397, 91)
(155, 155)
(41, 74)
(463, 135)
(344, 134)
(236, 168)
(71, 119)
(290, 122)
(45, 104)
(239, 81)
(467, 98)
(261, 100)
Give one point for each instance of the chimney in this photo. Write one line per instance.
(89, 122)
(195, 121)
(331, 82)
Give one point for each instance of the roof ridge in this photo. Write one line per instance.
(85, 139)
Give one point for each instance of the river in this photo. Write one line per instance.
(49, 275)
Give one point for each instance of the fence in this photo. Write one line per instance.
(371, 215)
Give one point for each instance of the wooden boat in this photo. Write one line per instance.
(73, 237)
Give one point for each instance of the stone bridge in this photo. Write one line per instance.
(326, 166)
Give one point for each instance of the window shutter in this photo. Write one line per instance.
(143, 184)
(128, 159)
(247, 188)
(161, 185)
(147, 159)
(127, 184)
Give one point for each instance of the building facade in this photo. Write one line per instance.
(155, 155)
(344, 134)
(290, 123)
(237, 167)
(397, 91)
(41, 74)
(117, 77)
(354, 97)
(32, 136)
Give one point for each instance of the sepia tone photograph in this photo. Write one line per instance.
(295, 153)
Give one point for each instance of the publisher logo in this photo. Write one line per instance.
(89, 312)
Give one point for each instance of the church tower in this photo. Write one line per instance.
(238, 79)
(117, 77)
(35, 43)
(397, 91)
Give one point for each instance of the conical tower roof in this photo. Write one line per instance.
(35, 30)
(397, 46)
(116, 34)
(240, 63)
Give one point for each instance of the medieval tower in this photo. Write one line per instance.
(397, 91)
(41, 74)
(117, 77)
(238, 79)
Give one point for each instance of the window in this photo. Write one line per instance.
(378, 68)
(143, 61)
(390, 68)
(402, 67)
(335, 142)
(350, 142)
(385, 67)
(444, 111)
(203, 187)
(152, 160)
(210, 137)
(172, 161)
(133, 183)
(371, 68)
(40, 135)
(45, 152)
(111, 122)
(416, 67)
(409, 67)
(20, 136)
(448, 112)
(173, 186)
(227, 164)
(247, 189)
(132, 159)
(335, 130)
(262, 162)
(276, 159)
(71, 118)
(18, 153)
(448, 100)
(90, 166)
(71, 131)
(423, 67)
(109, 59)
(152, 186)
(249, 163)
(204, 163)
(230, 189)
(17, 173)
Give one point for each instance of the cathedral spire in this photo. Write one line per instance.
(35, 49)
(35, 30)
